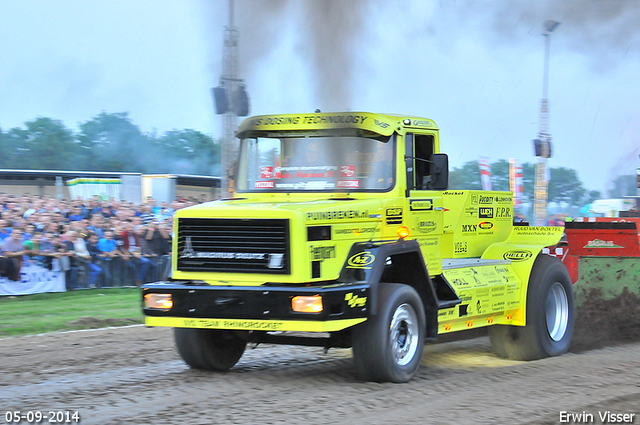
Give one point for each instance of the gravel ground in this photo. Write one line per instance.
(133, 375)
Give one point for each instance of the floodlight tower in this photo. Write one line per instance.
(231, 101)
(542, 145)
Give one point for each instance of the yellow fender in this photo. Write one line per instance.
(522, 247)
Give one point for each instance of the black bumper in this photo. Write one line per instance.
(266, 302)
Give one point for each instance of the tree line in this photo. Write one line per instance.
(564, 185)
(107, 142)
(111, 142)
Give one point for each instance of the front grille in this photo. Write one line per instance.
(233, 245)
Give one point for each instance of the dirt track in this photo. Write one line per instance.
(134, 376)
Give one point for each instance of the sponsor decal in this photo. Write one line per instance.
(427, 226)
(354, 300)
(353, 184)
(264, 185)
(275, 120)
(266, 172)
(485, 225)
(347, 171)
(232, 324)
(484, 199)
(226, 255)
(394, 215)
(471, 211)
(334, 119)
(361, 260)
(189, 252)
(310, 119)
(453, 192)
(469, 228)
(312, 185)
(460, 247)
(517, 255)
(421, 205)
(429, 242)
(421, 123)
(485, 212)
(503, 212)
(598, 243)
(537, 231)
(478, 199)
(336, 215)
(393, 212)
(459, 282)
(381, 123)
(504, 199)
(356, 231)
(323, 252)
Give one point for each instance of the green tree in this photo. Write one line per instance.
(591, 196)
(500, 175)
(528, 181)
(111, 142)
(565, 186)
(466, 177)
(623, 186)
(44, 144)
(189, 152)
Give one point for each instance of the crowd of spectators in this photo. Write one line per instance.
(94, 242)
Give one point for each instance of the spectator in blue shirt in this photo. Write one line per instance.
(97, 225)
(76, 214)
(108, 245)
(5, 231)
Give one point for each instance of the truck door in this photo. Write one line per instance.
(423, 206)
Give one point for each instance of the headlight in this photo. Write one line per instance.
(158, 301)
(307, 304)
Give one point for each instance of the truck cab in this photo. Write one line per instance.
(342, 228)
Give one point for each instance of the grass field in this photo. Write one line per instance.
(91, 308)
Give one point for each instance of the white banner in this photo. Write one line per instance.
(85, 188)
(35, 280)
(516, 182)
(485, 173)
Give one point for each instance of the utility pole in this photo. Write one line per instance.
(542, 145)
(231, 101)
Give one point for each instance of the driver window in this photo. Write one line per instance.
(422, 149)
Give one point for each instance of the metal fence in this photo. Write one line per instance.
(116, 272)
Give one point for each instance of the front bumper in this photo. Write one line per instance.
(257, 308)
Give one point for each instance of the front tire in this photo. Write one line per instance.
(388, 346)
(209, 349)
(550, 316)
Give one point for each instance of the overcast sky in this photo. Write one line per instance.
(475, 67)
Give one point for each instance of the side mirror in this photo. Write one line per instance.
(440, 171)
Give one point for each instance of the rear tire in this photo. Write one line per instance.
(388, 346)
(550, 316)
(209, 349)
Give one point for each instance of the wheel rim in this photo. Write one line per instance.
(557, 311)
(404, 334)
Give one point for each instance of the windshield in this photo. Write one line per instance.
(331, 164)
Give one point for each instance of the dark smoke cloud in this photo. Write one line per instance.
(606, 31)
(332, 30)
(328, 30)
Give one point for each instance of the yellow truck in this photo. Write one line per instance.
(342, 233)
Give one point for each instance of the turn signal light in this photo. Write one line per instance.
(307, 304)
(158, 301)
(402, 232)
